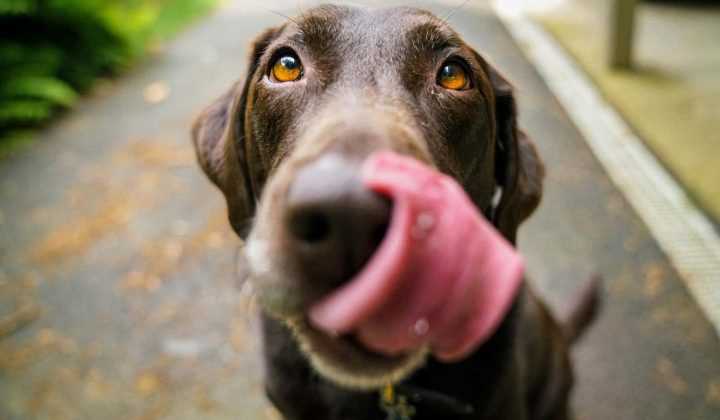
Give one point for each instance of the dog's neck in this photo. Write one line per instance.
(426, 394)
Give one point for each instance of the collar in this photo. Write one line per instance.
(402, 402)
(491, 210)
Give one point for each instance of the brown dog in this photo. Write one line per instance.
(322, 93)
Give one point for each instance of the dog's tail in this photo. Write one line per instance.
(586, 307)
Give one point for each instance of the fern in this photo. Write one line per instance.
(20, 112)
(47, 88)
(16, 7)
(53, 50)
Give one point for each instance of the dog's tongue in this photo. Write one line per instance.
(442, 277)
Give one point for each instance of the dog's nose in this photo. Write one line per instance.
(334, 222)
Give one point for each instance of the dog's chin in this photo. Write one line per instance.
(345, 362)
(339, 359)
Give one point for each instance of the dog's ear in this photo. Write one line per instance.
(518, 168)
(218, 134)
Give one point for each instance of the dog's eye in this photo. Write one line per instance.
(287, 68)
(453, 76)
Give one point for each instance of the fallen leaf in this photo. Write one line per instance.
(669, 376)
(20, 317)
(654, 276)
(147, 383)
(712, 396)
(156, 92)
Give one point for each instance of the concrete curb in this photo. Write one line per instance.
(683, 232)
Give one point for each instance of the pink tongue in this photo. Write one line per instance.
(443, 276)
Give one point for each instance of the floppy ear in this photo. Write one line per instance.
(518, 168)
(218, 134)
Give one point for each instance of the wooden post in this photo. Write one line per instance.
(621, 33)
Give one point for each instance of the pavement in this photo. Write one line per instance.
(116, 251)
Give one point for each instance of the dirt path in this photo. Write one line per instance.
(110, 232)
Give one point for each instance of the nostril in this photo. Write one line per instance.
(310, 226)
(378, 234)
(333, 223)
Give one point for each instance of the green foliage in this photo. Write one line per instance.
(52, 50)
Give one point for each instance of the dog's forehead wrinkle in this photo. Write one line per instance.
(323, 20)
(370, 43)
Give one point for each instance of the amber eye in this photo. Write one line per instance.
(287, 68)
(453, 76)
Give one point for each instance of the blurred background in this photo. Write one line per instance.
(54, 50)
(658, 62)
(118, 297)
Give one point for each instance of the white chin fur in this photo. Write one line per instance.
(347, 365)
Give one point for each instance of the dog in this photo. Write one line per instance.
(286, 145)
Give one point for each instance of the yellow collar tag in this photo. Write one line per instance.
(395, 406)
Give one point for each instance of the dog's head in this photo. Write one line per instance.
(323, 92)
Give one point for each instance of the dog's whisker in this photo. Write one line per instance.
(300, 10)
(454, 10)
(240, 266)
(278, 13)
(247, 290)
(248, 301)
(248, 294)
